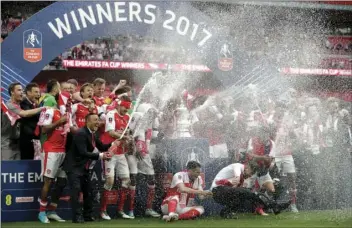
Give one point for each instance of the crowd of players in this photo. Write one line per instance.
(261, 139)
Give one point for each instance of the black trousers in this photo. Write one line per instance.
(78, 183)
(26, 148)
(234, 199)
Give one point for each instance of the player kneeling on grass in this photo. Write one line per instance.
(228, 191)
(179, 201)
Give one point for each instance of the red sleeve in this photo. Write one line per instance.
(223, 182)
(112, 96)
(149, 134)
(14, 108)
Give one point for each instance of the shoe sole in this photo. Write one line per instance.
(173, 218)
(166, 219)
(46, 222)
(55, 219)
(154, 216)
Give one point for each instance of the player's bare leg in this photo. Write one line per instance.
(150, 198)
(191, 213)
(260, 211)
(59, 186)
(109, 182)
(292, 183)
(43, 201)
(171, 211)
(122, 195)
(269, 188)
(132, 194)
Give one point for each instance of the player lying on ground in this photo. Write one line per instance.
(179, 201)
(228, 191)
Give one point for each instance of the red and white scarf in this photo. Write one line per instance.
(65, 106)
(13, 117)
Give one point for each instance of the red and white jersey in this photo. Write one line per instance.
(56, 139)
(257, 147)
(183, 178)
(79, 113)
(114, 122)
(231, 175)
(99, 101)
(143, 140)
(111, 106)
(143, 134)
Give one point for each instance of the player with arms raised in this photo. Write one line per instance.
(179, 200)
(80, 110)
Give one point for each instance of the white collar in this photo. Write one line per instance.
(90, 131)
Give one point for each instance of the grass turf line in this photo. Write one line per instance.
(336, 218)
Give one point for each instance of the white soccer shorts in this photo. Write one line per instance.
(119, 163)
(51, 164)
(249, 182)
(144, 166)
(285, 164)
(218, 151)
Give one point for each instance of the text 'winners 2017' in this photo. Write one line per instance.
(127, 12)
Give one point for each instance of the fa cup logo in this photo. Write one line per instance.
(225, 59)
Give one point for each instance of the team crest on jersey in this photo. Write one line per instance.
(110, 120)
(47, 116)
(108, 170)
(179, 177)
(48, 171)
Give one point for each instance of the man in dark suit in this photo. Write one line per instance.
(28, 124)
(79, 161)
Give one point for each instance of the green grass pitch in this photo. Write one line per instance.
(337, 218)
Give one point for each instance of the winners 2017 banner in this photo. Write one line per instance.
(49, 32)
